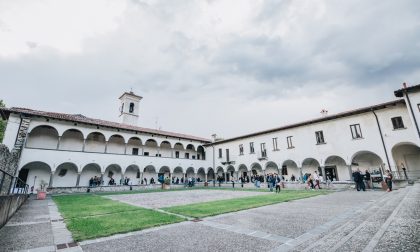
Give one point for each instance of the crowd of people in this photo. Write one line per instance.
(364, 181)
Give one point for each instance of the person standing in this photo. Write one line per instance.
(367, 179)
(358, 179)
(388, 180)
(316, 177)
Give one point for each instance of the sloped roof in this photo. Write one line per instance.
(400, 92)
(316, 120)
(83, 119)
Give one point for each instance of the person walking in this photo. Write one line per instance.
(316, 177)
(367, 179)
(358, 179)
(278, 185)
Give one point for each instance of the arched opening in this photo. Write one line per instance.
(190, 152)
(407, 156)
(151, 148)
(95, 142)
(112, 175)
(90, 171)
(230, 173)
(44, 137)
(201, 175)
(336, 169)
(256, 169)
(134, 146)
(72, 140)
(290, 170)
(164, 172)
(210, 174)
(367, 160)
(116, 145)
(149, 175)
(65, 175)
(131, 108)
(132, 175)
(36, 174)
(178, 175)
(165, 149)
(310, 165)
(243, 172)
(179, 150)
(220, 174)
(190, 173)
(201, 154)
(271, 168)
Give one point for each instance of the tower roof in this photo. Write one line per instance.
(131, 94)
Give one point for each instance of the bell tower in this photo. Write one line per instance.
(129, 109)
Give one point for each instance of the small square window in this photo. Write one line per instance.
(135, 151)
(356, 132)
(397, 122)
(319, 135)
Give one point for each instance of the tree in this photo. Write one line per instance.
(2, 123)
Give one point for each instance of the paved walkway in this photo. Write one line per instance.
(341, 221)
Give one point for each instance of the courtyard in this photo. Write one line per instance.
(219, 220)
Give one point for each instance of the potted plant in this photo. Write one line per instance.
(42, 192)
(167, 184)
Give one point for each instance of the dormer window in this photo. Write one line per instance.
(131, 110)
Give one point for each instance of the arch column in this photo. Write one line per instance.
(50, 184)
(58, 142)
(324, 176)
(84, 145)
(205, 177)
(224, 174)
(125, 149)
(301, 173)
(350, 172)
(106, 146)
(78, 179)
(102, 178)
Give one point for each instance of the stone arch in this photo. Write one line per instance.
(190, 172)
(178, 173)
(367, 160)
(35, 173)
(201, 153)
(336, 168)
(289, 168)
(271, 167)
(211, 175)
(116, 144)
(165, 149)
(256, 169)
(230, 173)
(150, 148)
(95, 142)
(220, 171)
(190, 147)
(149, 172)
(165, 171)
(134, 146)
(132, 172)
(65, 175)
(406, 156)
(43, 136)
(178, 150)
(201, 174)
(310, 165)
(72, 140)
(242, 170)
(113, 171)
(89, 171)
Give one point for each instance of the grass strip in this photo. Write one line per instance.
(90, 216)
(200, 210)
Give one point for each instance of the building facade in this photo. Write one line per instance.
(67, 150)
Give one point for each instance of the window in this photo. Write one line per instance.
(251, 147)
(198, 156)
(284, 170)
(319, 135)
(275, 146)
(176, 154)
(263, 150)
(158, 155)
(241, 149)
(227, 155)
(289, 142)
(220, 153)
(135, 151)
(146, 153)
(62, 172)
(356, 132)
(187, 155)
(193, 157)
(131, 110)
(138, 174)
(397, 122)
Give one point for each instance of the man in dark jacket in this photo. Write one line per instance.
(358, 179)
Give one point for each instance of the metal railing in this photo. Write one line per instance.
(10, 184)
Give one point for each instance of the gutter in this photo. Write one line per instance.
(382, 138)
(412, 112)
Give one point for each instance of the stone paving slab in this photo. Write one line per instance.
(191, 237)
(24, 237)
(176, 198)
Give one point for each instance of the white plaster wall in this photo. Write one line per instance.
(41, 173)
(67, 180)
(45, 138)
(11, 132)
(131, 173)
(71, 140)
(87, 173)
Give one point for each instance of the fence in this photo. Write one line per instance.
(10, 184)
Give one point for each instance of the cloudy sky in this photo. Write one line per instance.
(203, 67)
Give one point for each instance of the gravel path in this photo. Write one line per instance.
(176, 198)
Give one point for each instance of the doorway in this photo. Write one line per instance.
(331, 173)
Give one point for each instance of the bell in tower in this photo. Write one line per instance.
(129, 110)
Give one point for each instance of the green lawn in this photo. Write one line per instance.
(199, 210)
(91, 216)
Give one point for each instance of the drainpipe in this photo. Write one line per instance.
(412, 112)
(382, 138)
(214, 168)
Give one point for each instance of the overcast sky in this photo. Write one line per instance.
(203, 67)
